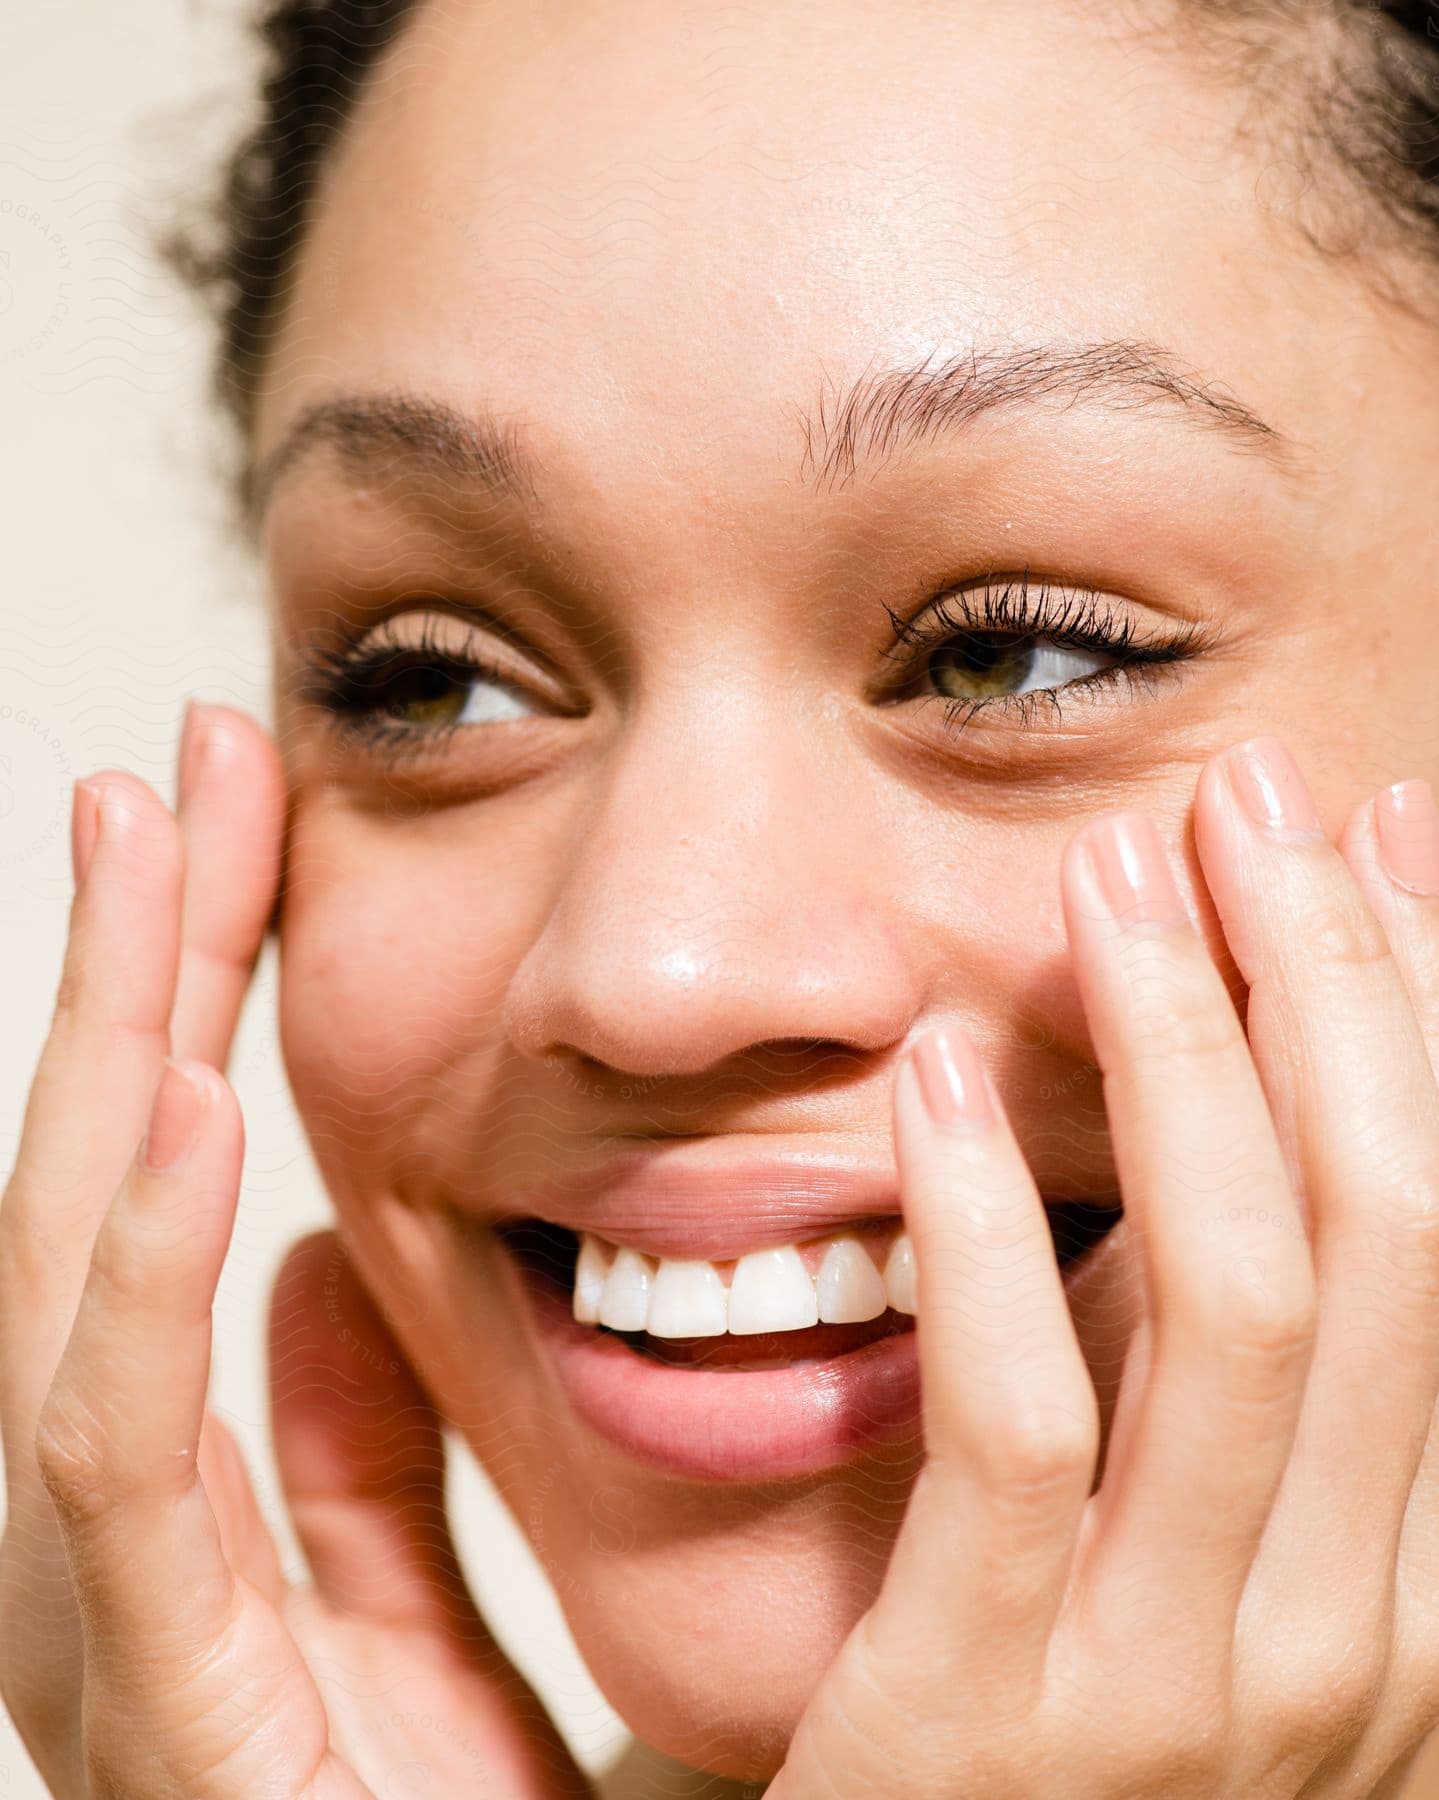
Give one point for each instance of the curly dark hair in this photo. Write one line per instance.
(1353, 86)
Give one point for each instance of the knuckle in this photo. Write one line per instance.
(1412, 1206)
(70, 987)
(1327, 1699)
(1191, 1018)
(69, 1450)
(1345, 934)
(1260, 1327)
(1423, 1707)
(1035, 1453)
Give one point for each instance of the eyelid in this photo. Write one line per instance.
(431, 626)
(1084, 619)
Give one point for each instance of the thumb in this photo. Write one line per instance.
(245, 1540)
(361, 1457)
(360, 1453)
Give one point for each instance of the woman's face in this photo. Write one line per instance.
(672, 356)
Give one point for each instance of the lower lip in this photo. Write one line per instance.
(709, 1425)
(737, 1425)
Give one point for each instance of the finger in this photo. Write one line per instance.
(360, 1451)
(245, 1540)
(122, 1471)
(362, 1460)
(1203, 1426)
(1391, 844)
(92, 1088)
(231, 808)
(167, 1624)
(1348, 1073)
(87, 1107)
(1010, 1419)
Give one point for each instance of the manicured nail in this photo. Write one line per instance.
(191, 750)
(1133, 870)
(1408, 826)
(174, 1117)
(951, 1080)
(84, 828)
(1267, 783)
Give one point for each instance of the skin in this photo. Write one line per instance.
(560, 928)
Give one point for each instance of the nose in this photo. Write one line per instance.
(722, 891)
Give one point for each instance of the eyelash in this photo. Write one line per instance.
(1075, 619)
(348, 680)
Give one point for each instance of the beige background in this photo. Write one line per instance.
(123, 593)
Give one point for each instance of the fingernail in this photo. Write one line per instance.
(194, 743)
(1267, 783)
(1133, 871)
(951, 1080)
(185, 761)
(84, 828)
(174, 1118)
(1408, 826)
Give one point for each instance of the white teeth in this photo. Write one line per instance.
(625, 1302)
(899, 1282)
(833, 1280)
(848, 1286)
(688, 1300)
(771, 1290)
(590, 1272)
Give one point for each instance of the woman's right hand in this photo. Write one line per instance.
(150, 1644)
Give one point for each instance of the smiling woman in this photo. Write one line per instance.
(851, 832)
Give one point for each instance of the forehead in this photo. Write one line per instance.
(680, 220)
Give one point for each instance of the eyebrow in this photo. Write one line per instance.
(376, 433)
(887, 411)
(875, 418)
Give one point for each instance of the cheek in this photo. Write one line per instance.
(394, 961)
(991, 928)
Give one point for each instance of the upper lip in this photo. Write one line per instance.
(718, 1197)
(711, 1200)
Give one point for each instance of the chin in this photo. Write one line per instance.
(710, 1632)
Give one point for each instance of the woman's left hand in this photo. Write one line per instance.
(1247, 1607)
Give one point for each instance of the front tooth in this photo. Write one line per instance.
(771, 1290)
(590, 1271)
(625, 1301)
(848, 1286)
(899, 1281)
(688, 1300)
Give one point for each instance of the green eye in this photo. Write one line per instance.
(441, 694)
(1016, 646)
(990, 665)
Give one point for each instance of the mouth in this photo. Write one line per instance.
(775, 1363)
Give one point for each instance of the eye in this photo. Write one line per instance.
(414, 679)
(444, 692)
(1012, 646)
(989, 665)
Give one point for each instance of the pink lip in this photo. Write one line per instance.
(757, 1425)
(715, 1198)
(695, 1198)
